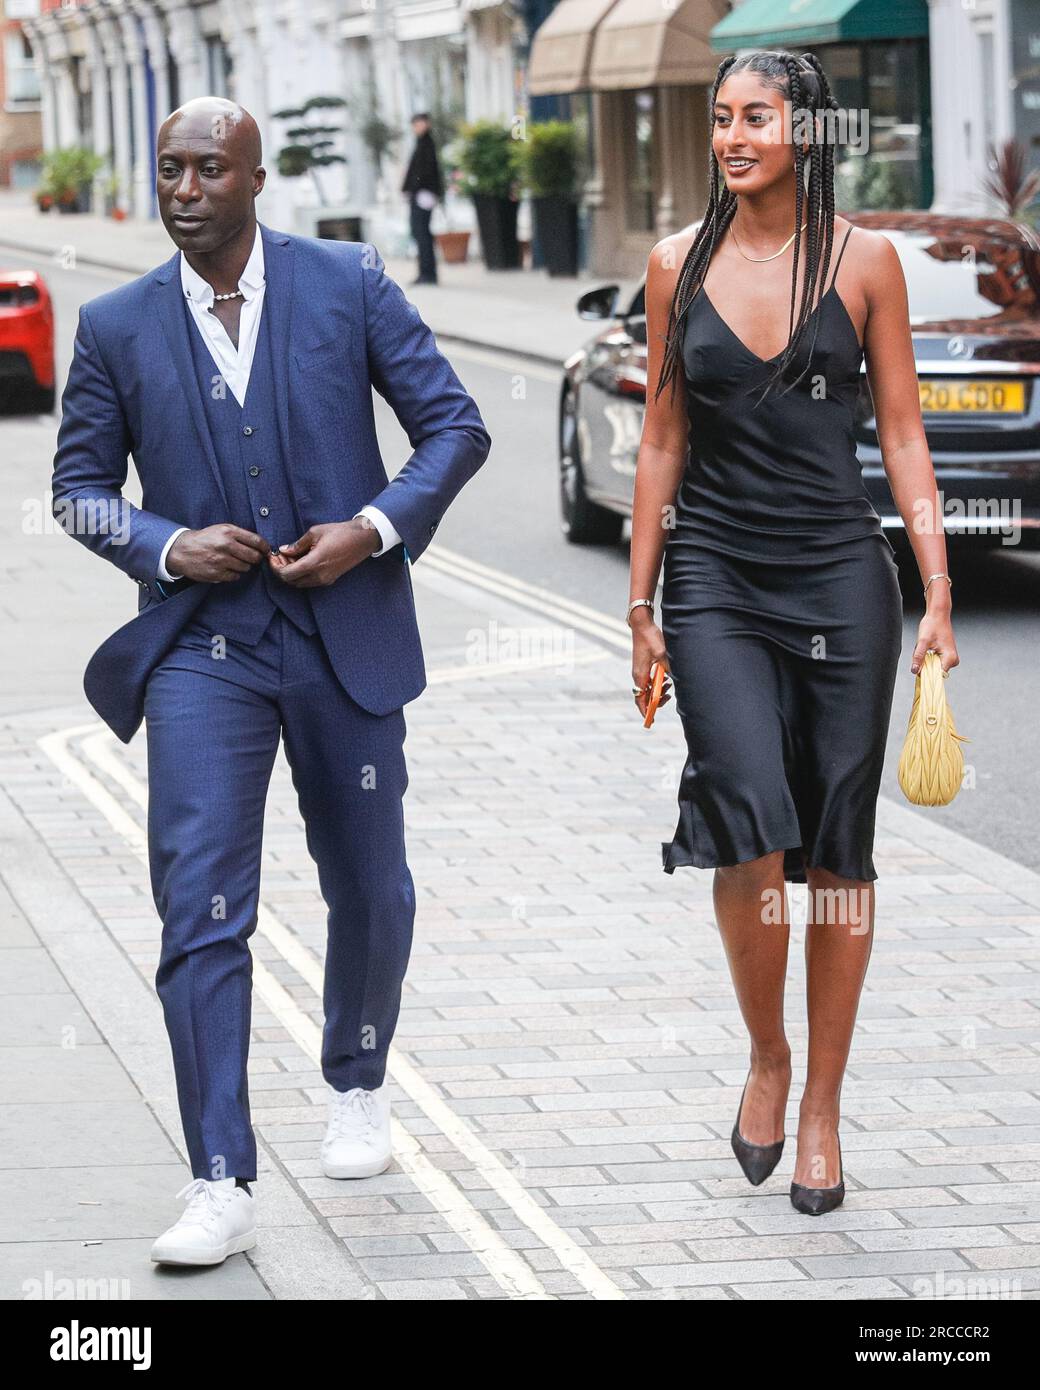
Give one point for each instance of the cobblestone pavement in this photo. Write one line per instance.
(570, 1056)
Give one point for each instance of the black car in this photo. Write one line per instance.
(974, 294)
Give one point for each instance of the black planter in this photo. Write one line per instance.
(556, 226)
(496, 219)
(81, 203)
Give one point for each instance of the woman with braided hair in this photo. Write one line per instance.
(781, 609)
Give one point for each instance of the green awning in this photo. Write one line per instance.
(796, 24)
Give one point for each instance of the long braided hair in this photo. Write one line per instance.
(804, 81)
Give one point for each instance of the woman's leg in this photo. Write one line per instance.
(756, 948)
(838, 938)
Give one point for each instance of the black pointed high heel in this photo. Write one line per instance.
(815, 1201)
(757, 1160)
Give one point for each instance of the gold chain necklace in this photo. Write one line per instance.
(759, 259)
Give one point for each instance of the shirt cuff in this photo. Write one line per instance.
(387, 533)
(162, 572)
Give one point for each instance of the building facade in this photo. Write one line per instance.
(109, 71)
(20, 130)
(940, 83)
(985, 76)
(637, 77)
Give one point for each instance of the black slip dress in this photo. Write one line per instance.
(781, 608)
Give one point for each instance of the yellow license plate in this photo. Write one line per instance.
(961, 396)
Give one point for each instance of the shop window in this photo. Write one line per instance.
(895, 118)
(23, 82)
(218, 66)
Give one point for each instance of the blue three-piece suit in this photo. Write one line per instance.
(219, 672)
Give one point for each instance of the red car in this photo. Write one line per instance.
(26, 342)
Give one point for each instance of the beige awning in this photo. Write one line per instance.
(653, 43)
(562, 47)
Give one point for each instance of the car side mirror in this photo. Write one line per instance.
(600, 303)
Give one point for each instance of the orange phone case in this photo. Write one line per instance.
(656, 691)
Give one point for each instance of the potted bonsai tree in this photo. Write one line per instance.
(489, 165)
(549, 161)
(310, 143)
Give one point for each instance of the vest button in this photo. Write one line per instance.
(254, 472)
(265, 511)
(247, 429)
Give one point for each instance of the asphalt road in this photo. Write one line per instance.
(507, 518)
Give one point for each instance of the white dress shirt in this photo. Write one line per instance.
(235, 364)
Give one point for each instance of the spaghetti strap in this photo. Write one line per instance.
(773, 547)
(837, 263)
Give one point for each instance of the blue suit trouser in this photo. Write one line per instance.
(213, 727)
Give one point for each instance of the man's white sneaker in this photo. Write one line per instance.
(219, 1220)
(357, 1139)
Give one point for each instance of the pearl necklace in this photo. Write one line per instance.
(234, 295)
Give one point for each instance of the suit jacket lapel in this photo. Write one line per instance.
(279, 265)
(173, 316)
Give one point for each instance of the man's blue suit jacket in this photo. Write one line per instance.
(339, 326)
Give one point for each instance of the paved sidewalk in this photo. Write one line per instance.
(523, 312)
(570, 1055)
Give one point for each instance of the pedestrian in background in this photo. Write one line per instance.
(422, 182)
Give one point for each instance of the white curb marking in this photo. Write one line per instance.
(509, 1270)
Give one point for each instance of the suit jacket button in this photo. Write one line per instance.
(247, 429)
(265, 511)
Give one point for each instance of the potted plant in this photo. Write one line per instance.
(44, 200)
(112, 189)
(310, 147)
(445, 125)
(489, 166)
(549, 160)
(1011, 184)
(67, 176)
(452, 242)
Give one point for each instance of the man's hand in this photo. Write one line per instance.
(216, 554)
(325, 552)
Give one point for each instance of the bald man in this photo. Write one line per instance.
(271, 555)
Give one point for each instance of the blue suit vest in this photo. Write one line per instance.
(259, 491)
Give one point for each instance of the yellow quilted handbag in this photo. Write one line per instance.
(931, 766)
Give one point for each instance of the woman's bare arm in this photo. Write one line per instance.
(892, 374)
(663, 444)
(660, 461)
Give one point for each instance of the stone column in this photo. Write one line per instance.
(35, 32)
(158, 56)
(601, 194)
(99, 88)
(141, 162)
(112, 47)
(189, 52)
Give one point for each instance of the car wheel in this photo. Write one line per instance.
(44, 401)
(584, 522)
